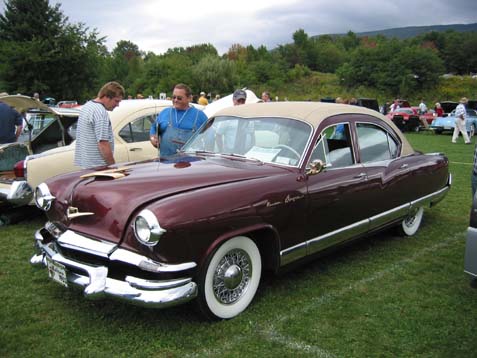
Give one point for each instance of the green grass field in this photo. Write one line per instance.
(384, 296)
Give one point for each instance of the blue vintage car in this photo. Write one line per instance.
(441, 124)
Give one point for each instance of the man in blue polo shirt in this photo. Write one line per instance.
(175, 125)
(11, 124)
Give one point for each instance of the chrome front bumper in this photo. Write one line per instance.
(18, 193)
(96, 283)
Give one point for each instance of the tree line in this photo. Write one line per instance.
(41, 51)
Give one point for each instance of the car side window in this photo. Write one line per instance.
(375, 143)
(333, 147)
(137, 130)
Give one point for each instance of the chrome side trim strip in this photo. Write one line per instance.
(337, 236)
(293, 253)
(329, 239)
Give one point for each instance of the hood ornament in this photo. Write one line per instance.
(73, 213)
(114, 173)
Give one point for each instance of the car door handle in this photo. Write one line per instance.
(404, 166)
(360, 176)
(134, 149)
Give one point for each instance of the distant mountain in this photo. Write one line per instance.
(413, 31)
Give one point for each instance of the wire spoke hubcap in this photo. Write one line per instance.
(232, 276)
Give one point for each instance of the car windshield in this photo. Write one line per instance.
(273, 140)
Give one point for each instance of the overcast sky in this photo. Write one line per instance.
(157, 25)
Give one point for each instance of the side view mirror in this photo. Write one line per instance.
(316, 167)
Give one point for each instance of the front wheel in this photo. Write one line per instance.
(411, 223)
(229, 279)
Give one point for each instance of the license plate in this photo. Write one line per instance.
(447, 128)
(57, 272)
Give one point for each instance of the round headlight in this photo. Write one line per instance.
(147, 228)
(43, 198)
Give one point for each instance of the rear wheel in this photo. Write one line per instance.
(229, 280)
(438, 131)
(412, 222)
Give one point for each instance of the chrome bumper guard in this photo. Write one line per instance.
(19, 193)
(97, 284)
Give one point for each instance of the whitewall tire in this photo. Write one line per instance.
(412, 222)
(229, 279)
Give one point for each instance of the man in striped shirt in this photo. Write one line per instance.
(94, 135)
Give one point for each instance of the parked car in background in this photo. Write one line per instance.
(448, 107)
(426, 118)
(406, 119)
(442, 124)
(371, 103)
(205, 223)
(68, 104)
(470, 257)
(45, 128)
(130, 122)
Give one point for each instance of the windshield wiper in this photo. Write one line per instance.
(235, 155)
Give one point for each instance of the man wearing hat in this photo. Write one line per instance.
(460, 115)
(202, 99)
(239, 97)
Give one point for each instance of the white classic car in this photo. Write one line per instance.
(131, 122)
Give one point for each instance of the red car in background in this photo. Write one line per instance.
(68, 104)
(406, 119)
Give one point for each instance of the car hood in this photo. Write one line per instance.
(24, 103)
(104, 200)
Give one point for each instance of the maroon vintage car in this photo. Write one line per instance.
(259, 187)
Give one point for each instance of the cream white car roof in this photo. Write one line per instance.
(311, 112)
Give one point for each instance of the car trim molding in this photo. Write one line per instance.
(322, 242)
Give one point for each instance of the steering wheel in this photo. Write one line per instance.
(284, 146)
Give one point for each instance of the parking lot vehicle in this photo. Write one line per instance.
(46, 128)
(131, 122)
(259, 187)
(447, 123)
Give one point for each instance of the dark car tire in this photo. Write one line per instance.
(438, 131)
(229, 279)
(473, 282)
(411, 223)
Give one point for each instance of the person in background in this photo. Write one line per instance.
(217, 97)
(439, 112)
(224, 136)
(11, 123)
(36, 96)
(460, 115)
(266, 97)
(394, 106)
(202, 99)
(422, 107)
(94, 138)
(175, 125)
